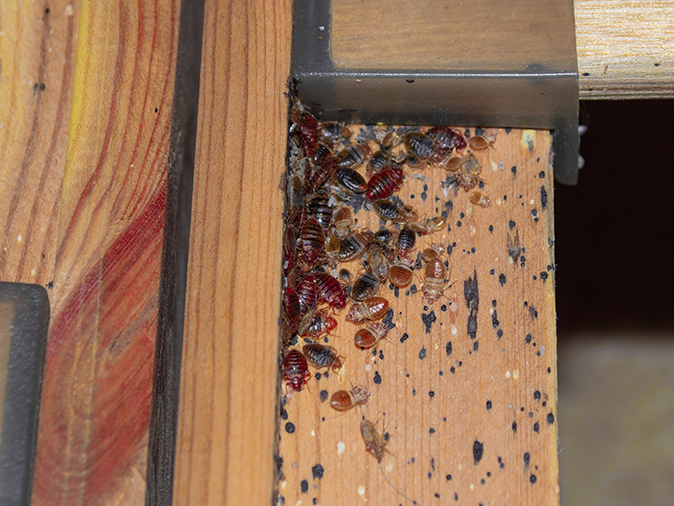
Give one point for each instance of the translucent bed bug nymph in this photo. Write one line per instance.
(344, 400)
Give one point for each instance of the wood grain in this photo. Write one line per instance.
(97, 389)
(228, 390)
(37, 66)
(625, 48)
(470, 419)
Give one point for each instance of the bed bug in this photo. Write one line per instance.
(364, 287)
(295, 371)
(388, 210)
(308, 132)
(375, 443)
(345, 275)
(329, 290)
(452, 164)
(353, 155)
(289, 250)
(384, 183)
(306, 294)
(383, 236)
(321, 152)
(311, 242)
(446, 138)
(320, 356)
(479, 199)
(433, 251)
(419, 145)
(291, 313)
(377, 162)
(334, 130)
(344, 400)
(469, 174)
(314, 324)
(319, 208)
(343, 221)
(401, 275)
(374, 308)
(429, 226)
(351, 180)
(435, 280)
(406, 240)
(320, 175)
(352, 247)
(331, 248)
(370, 336)
(481, 142)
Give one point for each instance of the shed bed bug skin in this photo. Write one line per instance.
(377, 263)
(370, 336)
(344, 400)
(375, 443)
(343, 221)
(479, 199)
(315, 324)
(372, 309)
(434, 280)
(295, 371)
(481, 142)
(321, 356)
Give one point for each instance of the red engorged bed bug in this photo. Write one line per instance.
(311, 242)
(295, 371)
(320, 356)
(374, 308)
(306, 294)
(329, 290)
(308, 132)
(316, 323)
(384, 183)
(344, 400)
(369, 337)
(447, 139)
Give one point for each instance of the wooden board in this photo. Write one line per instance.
(37, 67)
(95, 409)
(470, 418)
(228, 389)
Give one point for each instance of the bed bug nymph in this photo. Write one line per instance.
(320, 356)
(344, 400)
(295, 371)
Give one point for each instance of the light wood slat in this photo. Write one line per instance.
(226, 426)
(96, 396)
(625, 48)
(37, 67)
(432, 437)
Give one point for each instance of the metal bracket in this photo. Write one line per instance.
(531, 82)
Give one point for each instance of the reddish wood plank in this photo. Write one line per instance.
(95, 411)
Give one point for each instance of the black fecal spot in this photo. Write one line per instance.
(428, 320)
(493, 302)
(317, 472)
(377, 378)
(479, 131)
(294, 340)
(492, 271)
(532, 312)
(452, 369)
(482, 482)
(471, 292)
(501, 464)
(491, 229)
(499, 333)
(449, 206)
(494, 319)
(532, 479)
(396, 292)
(544, 275)
(290, 427)
(462, 215)
(433, 464)
(480, 185)
(512, 224)
(448, 477)
(304, 486)
(541, 174)
(478, 451)
(422, 353)
(318, 376)
(388, 319)
(502, 279)
(514, 427)
(284, 413)
(514, 171)
(431, 394)
(537, 395)
(544, 198)
(431, 430)
(443, 308)
(527, 459)
(536, 427)
(404, 337)
(488, 405)
(381, 355)
(475, 346)
(414, 392)
(472, 324)
(456, 496)
(324, 395)
(413, 289)
(458, 223)
(550, 418)
(450, 248)
(528, 338)
(448, 348)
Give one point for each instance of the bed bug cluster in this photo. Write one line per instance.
(333, 264)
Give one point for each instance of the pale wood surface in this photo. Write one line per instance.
(95, 410)
(226, 426)
(432, 437)
(625, 48)
(37, 66)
